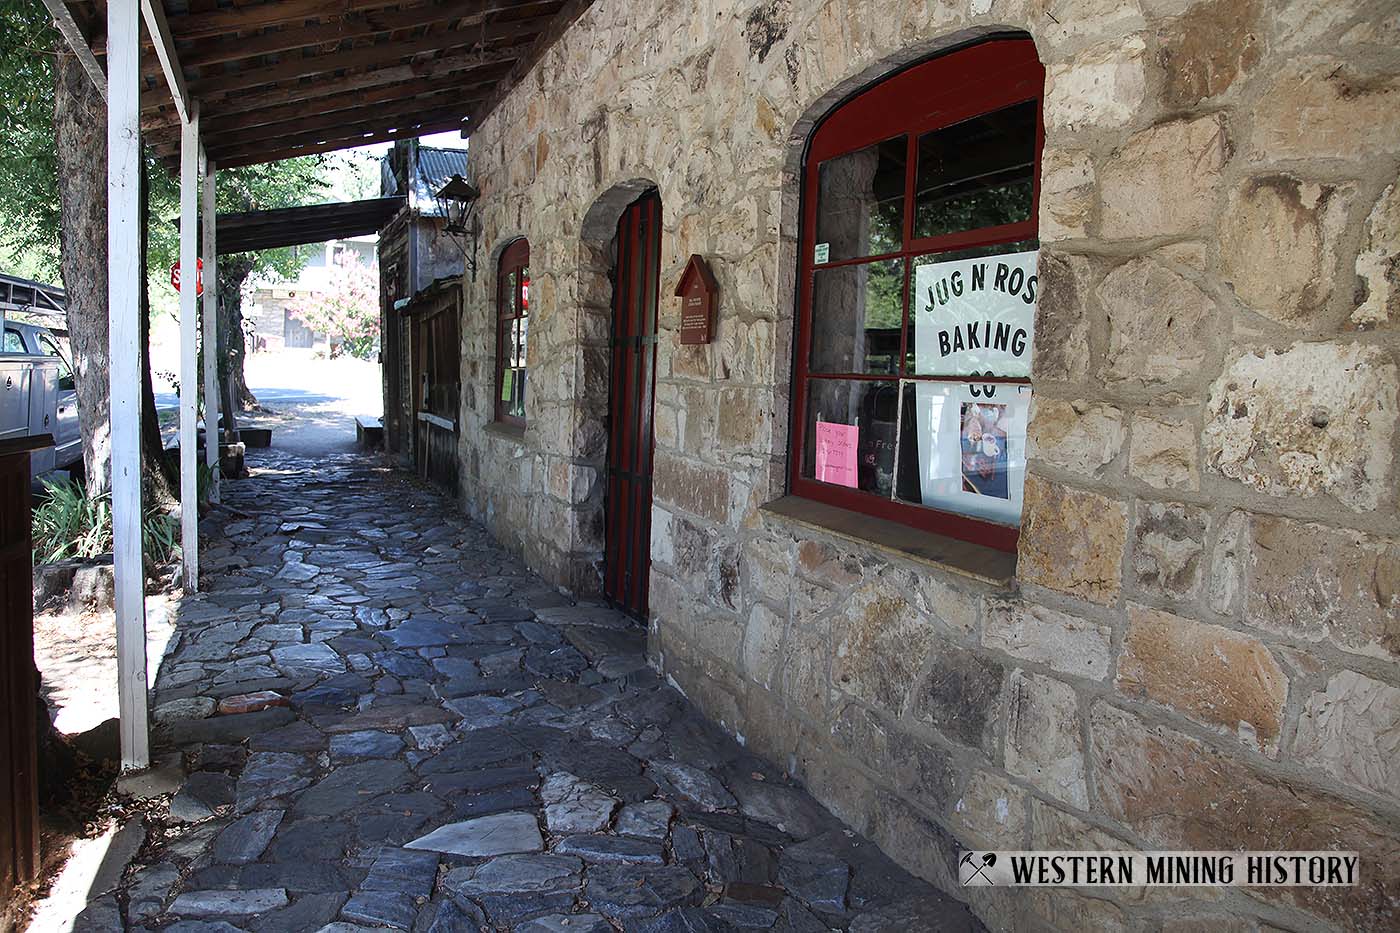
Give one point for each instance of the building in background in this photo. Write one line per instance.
(268, 309)
(414, 252)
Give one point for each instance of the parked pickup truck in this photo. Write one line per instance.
(39, 395)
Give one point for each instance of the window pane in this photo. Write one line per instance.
(977, 173)
(971, 312)
(507, 308)
(963, 448)
(13, 342)
(856, 316)
(850, 436)
(860, 205)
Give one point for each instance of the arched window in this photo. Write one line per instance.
(512, 332)
(917, 295)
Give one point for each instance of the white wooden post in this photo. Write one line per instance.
(124, 308)
(189, 329)
(212, 435)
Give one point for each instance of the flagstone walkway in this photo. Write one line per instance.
(455, 746)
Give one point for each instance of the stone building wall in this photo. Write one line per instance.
(1198, 648)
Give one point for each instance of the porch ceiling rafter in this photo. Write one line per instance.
(279, 78)
(444, 101)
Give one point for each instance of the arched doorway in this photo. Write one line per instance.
(631, 396)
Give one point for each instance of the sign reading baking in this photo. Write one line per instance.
(974, 316)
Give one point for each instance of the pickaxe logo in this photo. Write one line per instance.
(972, 868)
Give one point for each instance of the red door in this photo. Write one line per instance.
(628, 505)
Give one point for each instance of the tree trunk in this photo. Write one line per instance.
(160, 478)
(80, 139)
(233, 271)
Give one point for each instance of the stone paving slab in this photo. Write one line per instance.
(461, 748)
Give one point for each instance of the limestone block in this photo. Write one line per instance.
(1169, 540)
(1162, 452)
(992, 811)
(1278, 246)
(1159, 323)
(1071, 540)
(1202, 53)
(763, 640)
(1102, 87)
(1036, 633)
(1164, 181)
(962, 697)
(1068, 910)
(1214, 675)
(821, 562)
(1061, 317)
(880, 643)
(1177, 793)
(745, 420)
(1053, 828)
(1043, 741)
(1327, 108)
(1067, 194)
(767, 566)
(1079, 436)
(1352, 731)
(701, 490)
(806, 669)
(1315, 419)
(1317, 583)
(1378, 263)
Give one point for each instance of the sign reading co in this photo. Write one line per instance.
(198, 277)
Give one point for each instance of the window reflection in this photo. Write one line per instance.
(857, 312)
(860, 205)
(978, 173)
(850, 433)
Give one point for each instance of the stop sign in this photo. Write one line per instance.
(198, 276)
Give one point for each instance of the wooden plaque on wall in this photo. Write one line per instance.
(697, 291)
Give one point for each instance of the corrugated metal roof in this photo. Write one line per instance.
(433, 168)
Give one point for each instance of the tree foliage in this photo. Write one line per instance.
(28, 161)
(347, 310)
(29, 166)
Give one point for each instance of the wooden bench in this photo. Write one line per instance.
(369, 432)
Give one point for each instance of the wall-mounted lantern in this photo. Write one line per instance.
(457, 201)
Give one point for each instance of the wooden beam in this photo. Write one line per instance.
(371, 56)
(448, 101)
(78, 43)
(153, 11)
(456, 63)
(355, 26)
(228, 21)
(189, 353)
(124, 372)
(290, 139)
(330, 145)
(299, 110)
(212, 436)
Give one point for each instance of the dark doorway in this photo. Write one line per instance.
(627, 563)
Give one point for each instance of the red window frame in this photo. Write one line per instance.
(937, 93)
(510, 308)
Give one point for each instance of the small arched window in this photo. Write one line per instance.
(917, 295)
(512, 332)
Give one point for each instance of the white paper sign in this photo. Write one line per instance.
(974, 316)
(972, 448)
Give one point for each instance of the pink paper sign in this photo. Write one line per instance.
(836, 453)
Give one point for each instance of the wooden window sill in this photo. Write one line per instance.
(974, 561)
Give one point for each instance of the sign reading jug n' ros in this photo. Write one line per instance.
(974, 317)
